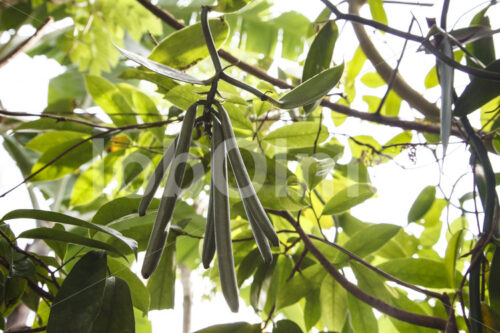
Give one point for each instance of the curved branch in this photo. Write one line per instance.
(409, 317)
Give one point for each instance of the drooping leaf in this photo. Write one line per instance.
(68, 237)
(312, 311)
(452, 255)
(287, 326)
(117, 312)
(160, 68)
(320, 55)
(78, 302)
(333, 300)
(313, 89)
(107, 96)
(66, 219)
(420, 271)
(348, 198)
(161, 284)
(175, 52)
(422, 204)
(299, 134)
(478, 92)
(362, 318)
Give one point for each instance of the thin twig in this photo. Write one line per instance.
(27, 43)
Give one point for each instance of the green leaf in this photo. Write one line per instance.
(64, 165)
(239, 327)
(149, 113)
(286, 326)
(372, 80)
(368, 240)
(377, 11)
(478, 92)
(66, 219)
(117, 208)
(300, 286)
(67, 88)
(315, 170)
(333, 300)
(260, 286)
(362, 318)
(18, 154)
(90, 184)
(299, 134)
(312, 310)
(161, 284)
(67, 237)
(159, 68)
(175, 52)
(483, 49)
(117, 312)
(229, 6)
(13, 291)
(313, 89)
(45, 141)
(420, 271)
(111, 100)
(139, 292)
(78, 302)
(319, 56)
(248, 266)
(493, 285)
(422, 204)
(452, 255)
(348, 198)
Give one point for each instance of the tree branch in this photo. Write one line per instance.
(26, 44)
(409, 317)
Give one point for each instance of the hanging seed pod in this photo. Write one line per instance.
(172, 188)
(247, 191)
(156, 177)
(208, 251)
(222, 222)
(260, 238)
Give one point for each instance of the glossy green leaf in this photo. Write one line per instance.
(66, 219)
(117, 208)
(348, 198)
(229, 6)
(313, 89)
(452, 255)
(420, 271)
(287, 326)
(493, 285)
(478, 92)
(161, 284)
(299, 134)
(377, 11)
(422, 204)
(333, 300)
(368, 240)
(107, 96)
(45, 141)
(160, 68)
(138, 291)
(362, 318)
(239, 327)
(175, 52)
(319, 56)
(68, 237)
(78, 302)
(117, 312)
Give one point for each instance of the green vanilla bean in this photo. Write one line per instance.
(156, 177)
(222, 222)
(208, 251)
(260, 238)
(171, 192)
(247, 191)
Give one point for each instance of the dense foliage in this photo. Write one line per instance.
(297, 255)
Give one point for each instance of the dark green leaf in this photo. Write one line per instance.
(161, 284)
(483, 49)
(422, 204)
(117, 313)
(313, 89)
(66, 219)
(493, 285)
(286, 326)
(78, 302)
(239, 327)
(478, 92)
(18, 154)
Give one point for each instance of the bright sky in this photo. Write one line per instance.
(24, 83)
